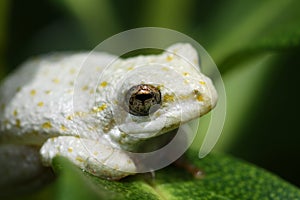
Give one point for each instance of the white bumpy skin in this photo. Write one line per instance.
(72, 105)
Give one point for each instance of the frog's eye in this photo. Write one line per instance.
(143, 99)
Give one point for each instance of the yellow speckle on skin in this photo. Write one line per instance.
(202, 82)
(186, 81)
(40, 104)
(184, 97)
(79, 159)
(85, 88)
(157, 114)
(48, 91)
(69, 117)
(72, 71)
(169, 58)
(91, 128)
(99, 108)
(165, 69)
(70, 91)
(18, 123)
(168, 98)
(199, 96)
(55, 80)
(98, 69)
(103, 84)
(186, 74)
(63, 128)
(80, 114)
(70, 149)
(47, 125)
(95, 153)
(32, 92)
(15, 113)
(159, 87)
(130, 68)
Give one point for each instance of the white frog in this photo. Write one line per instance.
(93, 108)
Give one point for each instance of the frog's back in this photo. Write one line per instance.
(36, 100)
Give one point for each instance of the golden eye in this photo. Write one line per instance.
(143, 99)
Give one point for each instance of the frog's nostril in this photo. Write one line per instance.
(140, 98)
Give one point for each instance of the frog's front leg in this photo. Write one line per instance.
(92, 156)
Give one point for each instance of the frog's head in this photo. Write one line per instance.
(159, 92)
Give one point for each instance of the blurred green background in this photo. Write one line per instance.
(255, 44)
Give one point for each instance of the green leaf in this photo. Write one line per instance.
(253, 77)
(242, 30)
(174, 14)
(226, 178)
(72, 184)
(98, 18)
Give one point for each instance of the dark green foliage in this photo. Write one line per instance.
(226, 178)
